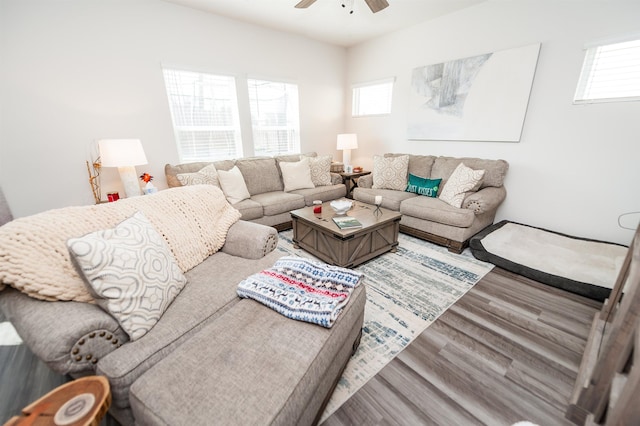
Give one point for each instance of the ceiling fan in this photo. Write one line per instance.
(374, 5)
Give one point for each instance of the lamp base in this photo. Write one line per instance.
(129, 179)
(346, 158)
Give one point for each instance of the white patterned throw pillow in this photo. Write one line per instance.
(462, 180)
(320, 170)
(206, 176)
(390, 172)
(130, 271)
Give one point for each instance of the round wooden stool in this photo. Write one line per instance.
(81, 402)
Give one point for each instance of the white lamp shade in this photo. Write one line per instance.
(347, 141)
(121, 152)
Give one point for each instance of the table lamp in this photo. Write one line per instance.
(124, 154)
(347, 142)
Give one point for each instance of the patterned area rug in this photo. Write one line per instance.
(406, 292)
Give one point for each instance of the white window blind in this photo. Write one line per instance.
(204, 111)
(372, 98)
(274, 117)
(611, 72)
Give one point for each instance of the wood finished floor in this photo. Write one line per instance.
(507, 351)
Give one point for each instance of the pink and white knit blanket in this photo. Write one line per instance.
(302, 289)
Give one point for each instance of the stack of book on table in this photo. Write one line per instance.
(347, 222)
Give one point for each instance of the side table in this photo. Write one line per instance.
(83, 401)
(351, 180)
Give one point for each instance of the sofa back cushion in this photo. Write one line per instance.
(261, 175)
(419, 165)
(495, 170)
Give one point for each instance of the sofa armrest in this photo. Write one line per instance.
(70, 337)
(336, 178)
(365, 181)
(250, 240)
(486, 200)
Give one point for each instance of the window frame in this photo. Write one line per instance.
(592, 70)
(292, 125)
(356, 96)
(235, 127)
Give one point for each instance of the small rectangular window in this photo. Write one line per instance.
(204, 112)
(611, 72)
(372, 98)
(274, 117)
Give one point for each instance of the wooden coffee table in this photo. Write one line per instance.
(320, 236)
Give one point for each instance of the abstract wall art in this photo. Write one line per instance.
(479, 98)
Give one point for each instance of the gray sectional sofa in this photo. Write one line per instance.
(269, 204)
(212, 357)
(432, 219)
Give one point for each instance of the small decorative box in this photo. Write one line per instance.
(337, 167)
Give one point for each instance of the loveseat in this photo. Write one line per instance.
(269, 196)
(414, 185)
(211, 357)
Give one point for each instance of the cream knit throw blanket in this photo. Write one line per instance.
(34, 259)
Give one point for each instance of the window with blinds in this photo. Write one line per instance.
(611, 72)
(372, 98)
(274, 117)
(204, 111)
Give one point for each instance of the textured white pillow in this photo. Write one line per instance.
(462, 180)
(296, 175)
(130, 271)
(390, 172)
(206, 176)
(320, 170)
(233, 186)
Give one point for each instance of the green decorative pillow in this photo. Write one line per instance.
(130, 271)
(423, 186)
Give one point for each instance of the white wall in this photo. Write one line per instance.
(75, 71)
(575, 169)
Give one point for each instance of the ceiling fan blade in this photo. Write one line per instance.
(376, 5)
(305, 3)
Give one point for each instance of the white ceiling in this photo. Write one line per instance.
(327, 20)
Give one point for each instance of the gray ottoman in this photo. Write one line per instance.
(252, 366)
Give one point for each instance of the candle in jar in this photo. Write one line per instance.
(378, 200)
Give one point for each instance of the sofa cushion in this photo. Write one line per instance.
(251, 366)
(211, 292)
(419, 165)
(463, 180)
(391, 199)
(436, 210)
(495, 170)
(390, 172)
(423, 186)
(296, 175)
(322, 193)
(130, 271)
(278, 202)
(260, 175)
(233, 184)
(249, 209)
